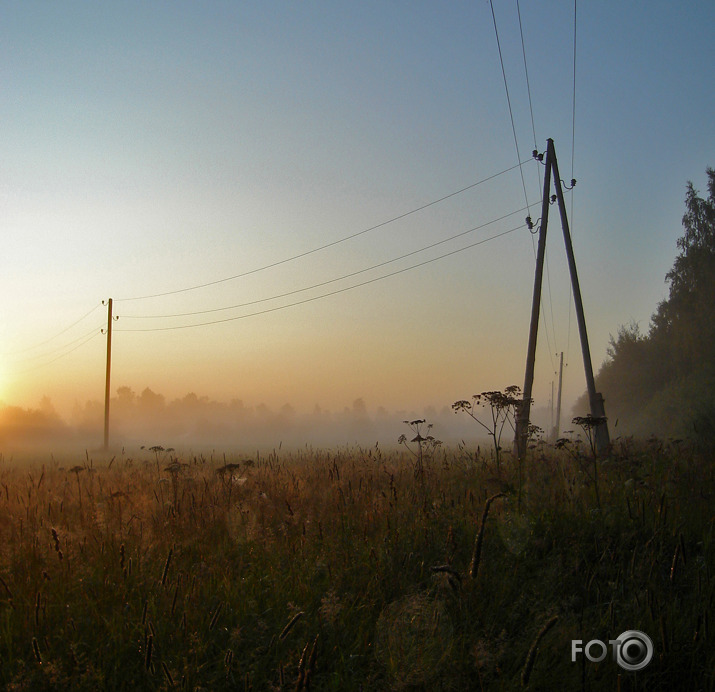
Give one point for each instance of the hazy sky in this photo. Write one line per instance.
(150, 147)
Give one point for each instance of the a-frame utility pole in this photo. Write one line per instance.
(109, 370)
(595, 398)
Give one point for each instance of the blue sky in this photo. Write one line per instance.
(152, 147)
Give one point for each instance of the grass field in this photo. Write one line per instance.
(356, 569)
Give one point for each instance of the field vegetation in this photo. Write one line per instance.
(357, 569)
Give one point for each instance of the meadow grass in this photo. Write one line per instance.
(352, 569)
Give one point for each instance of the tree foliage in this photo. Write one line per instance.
(662, 382)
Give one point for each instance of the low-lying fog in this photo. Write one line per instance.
(197, 423)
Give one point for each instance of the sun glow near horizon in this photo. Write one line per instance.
(135, 167)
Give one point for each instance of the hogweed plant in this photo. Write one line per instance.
(426, 444)
(589, 424)
(534, 436)
(501, 408)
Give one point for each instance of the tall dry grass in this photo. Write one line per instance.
(344, 570)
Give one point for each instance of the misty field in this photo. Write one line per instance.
(356, 569)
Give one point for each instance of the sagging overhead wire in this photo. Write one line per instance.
(526, 72)
(330, 281)
(330, 244)
(331, 293)
(516, 145)
(573, 102)
(85, 339)
(55, 336)
(508, 100)
(57, 349)
(573, 149)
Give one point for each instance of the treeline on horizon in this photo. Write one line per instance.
(193, 421)
(662, 382)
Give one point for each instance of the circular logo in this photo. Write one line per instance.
(635, 650)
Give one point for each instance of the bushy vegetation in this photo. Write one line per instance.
(356, 569)
(663, 381)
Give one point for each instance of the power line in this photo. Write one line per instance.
(526, 72)
(573, 150)
(508, 100)
(330, 281)
(86, 339)
(58, 348)
(573, 107)
(516, 144)
(332, 243)
(528, 89)
(331, 293)
(52, 338)
(555, 349)
(551, 309)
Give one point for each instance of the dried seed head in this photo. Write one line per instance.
(36, 650)
(214, 618)
(149, 646)
(289, 626)
(166, 567)
(531, 656)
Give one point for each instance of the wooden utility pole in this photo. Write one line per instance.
(522, 421)
(595, 398)
(109, 370)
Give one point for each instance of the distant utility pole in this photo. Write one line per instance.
(595, 398)
(557, 424)
(109, 370)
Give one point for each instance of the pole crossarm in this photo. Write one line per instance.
(595, 398)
